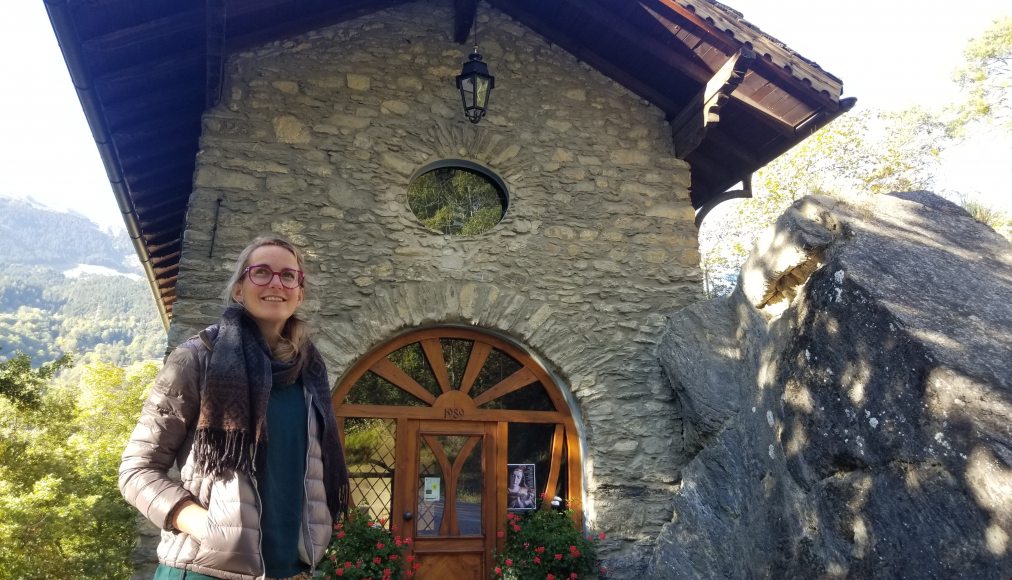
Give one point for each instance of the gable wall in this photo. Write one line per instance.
(316, 139)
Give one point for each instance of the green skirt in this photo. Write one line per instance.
(164, 572)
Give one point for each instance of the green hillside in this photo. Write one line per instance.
(45, 313)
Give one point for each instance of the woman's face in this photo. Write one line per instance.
(271, 305)
(517, 478)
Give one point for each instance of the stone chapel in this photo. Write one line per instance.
(611, 130)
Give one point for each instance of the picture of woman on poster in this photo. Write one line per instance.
(520, 488)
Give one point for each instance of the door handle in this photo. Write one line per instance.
(408, 516)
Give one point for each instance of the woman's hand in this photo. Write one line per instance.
(191, 519)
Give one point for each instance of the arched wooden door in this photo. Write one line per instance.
(435, 422)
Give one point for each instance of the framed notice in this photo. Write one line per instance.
(521, 487)
(430, 489)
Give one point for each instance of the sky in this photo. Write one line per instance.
(890, 54)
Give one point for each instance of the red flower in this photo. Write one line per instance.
(339, 572)
(410, 558)
(377, 560)
(500, 534)
(550, 576)
(516, 528)
(540, 549)
(600, 536)
(347, 564)
(572, 576)
(558, 556)
(393, 557)
(340, 535)
(407, 541)
(379, 545)
(537, 559)
(498, 571)
(509, 562)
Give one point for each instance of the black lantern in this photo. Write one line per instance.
(475, 84)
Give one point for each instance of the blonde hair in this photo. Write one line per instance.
(295, 335)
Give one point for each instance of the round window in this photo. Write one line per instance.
(458, 198)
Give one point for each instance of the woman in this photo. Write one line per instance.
(243, 410)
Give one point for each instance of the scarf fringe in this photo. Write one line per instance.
(218, 452)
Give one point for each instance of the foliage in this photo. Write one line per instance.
(364, 549)
(995, 219)
(61, 514)
(862, 153)
(455, 201)
(987, 75)
(22, 385)
(44, 313)
(546, 544)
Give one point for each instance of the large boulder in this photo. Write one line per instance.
(850, 404)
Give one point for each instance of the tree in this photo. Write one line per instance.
(61, 515)
(987, 76)
(862, 153)
(23, 386)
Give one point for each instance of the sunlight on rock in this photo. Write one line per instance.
(862, 539)
(857, 374)
(798, 397)
(798, 441)
(996, 539)
(990, 482)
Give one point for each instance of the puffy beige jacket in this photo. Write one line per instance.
(230, 546)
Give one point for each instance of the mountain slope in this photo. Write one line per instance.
(45, 312)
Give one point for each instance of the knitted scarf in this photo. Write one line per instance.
(232, 426)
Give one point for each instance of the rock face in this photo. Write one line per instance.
(850, 403)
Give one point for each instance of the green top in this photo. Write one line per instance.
(281, 481)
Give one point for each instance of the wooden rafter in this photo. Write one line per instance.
(215, 66)
(689, 127)
(463, 17)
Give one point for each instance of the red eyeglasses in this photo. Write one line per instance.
(262, 274)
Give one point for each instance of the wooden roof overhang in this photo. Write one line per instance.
(146, 71)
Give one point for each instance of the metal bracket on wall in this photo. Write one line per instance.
(214, 227)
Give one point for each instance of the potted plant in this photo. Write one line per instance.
(546, 545)
(362, 549)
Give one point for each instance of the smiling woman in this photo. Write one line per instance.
(210, 411)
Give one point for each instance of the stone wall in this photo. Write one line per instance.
(316, 138)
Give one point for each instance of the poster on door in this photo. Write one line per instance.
(521, 487)
(430, 489)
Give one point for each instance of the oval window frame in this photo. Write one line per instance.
(497, 182)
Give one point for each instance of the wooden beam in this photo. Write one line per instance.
(744, 193)
(215, 63)
(578, 47)
(464, 12)
(691, 124)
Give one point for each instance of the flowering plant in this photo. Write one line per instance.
(361, 549)
(546, 545)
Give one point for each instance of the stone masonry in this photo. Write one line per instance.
(317, 138)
